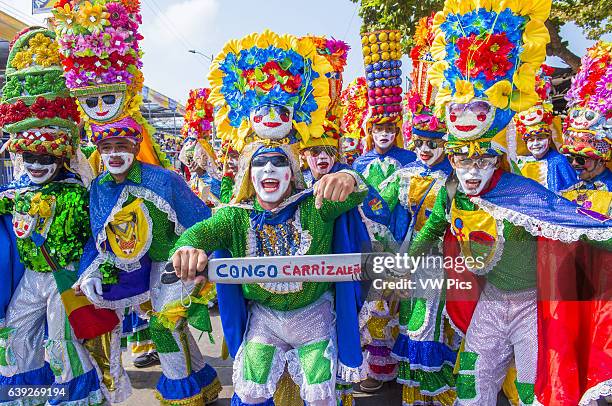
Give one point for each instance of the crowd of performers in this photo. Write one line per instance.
(471, 164)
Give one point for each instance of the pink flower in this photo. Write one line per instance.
(115, 40)
(118, 15)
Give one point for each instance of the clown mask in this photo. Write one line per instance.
(428, 151)
(475, 173)
(384, 135)
(335, 86)
(40, 169)
(534, 115)
(271, 176)
(320, 160)
(583, 118)
(469, 121)
(272, 121)
(538, 146)
(118, 162)
(102, 107)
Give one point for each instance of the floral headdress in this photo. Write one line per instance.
(36, 108)
(537, 120)
(589, 117)
(101, 55)
(354, 104)
(198, 129)
(487, 52)
(269, 69)
(420, 97)
(382, 53)
(335, 51)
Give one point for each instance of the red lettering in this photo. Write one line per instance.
(286, 270)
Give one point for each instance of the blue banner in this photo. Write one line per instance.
(42, 6)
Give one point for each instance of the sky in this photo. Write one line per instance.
(172, 27)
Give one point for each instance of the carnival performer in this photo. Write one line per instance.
(426, 344)
(587, 137)
(289, 324)
(42, 321)
(197, 152)
(353, 103)
(137, 209)
(536, 127)
(576, 331)
(378, 317)
(365, 223)
(491, 220)
(382, 53)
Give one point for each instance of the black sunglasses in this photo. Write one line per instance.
(275, 160)
(45, 159)
(580, 160)
(107, 99)
(429, 143)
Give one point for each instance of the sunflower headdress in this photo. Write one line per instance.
(36, 107)
(589, 117)
(486, 57)
(267, 69)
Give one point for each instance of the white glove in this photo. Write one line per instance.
(92, 288)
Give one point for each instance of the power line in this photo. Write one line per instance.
(350, 22)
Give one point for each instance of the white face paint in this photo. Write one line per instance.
(321, 164)
(384, 140)
(582, 118)
(271, 182)
(272, 121)
(538, 146)
(38, 173)
(118, 162)
(473, 180)
(428, 155)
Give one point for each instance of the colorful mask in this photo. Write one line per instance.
(270, 180)
(478, 92)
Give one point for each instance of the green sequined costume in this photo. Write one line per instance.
(36, 333)
(289, 323)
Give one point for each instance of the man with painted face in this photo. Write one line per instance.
(384, 122)
(138, 212)
(541, 162)
(425, 348)
(276, 208)
(42, 323)
(508, 237)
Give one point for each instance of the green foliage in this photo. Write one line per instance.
(401, 15)
(593, 16)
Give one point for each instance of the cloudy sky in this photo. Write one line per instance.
(173, 27)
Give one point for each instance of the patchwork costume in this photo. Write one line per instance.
(43, 323)
(502, 224)
(354, 105)
(308, 328)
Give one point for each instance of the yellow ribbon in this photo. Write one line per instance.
(474, 146)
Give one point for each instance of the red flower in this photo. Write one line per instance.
(61, 3)
(43, 108)
(5, 111)
(66, 108)
(19, 111)
(489, 56)
(133, 6)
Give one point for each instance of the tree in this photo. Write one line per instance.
(594, 17)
